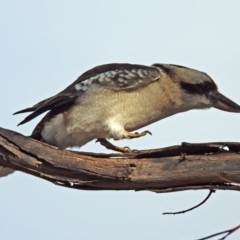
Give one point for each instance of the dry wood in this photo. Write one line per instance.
(184, 167)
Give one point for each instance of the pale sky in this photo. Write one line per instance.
(46, 45)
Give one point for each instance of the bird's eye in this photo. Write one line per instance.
(206, 86)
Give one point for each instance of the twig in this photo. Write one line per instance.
(228, 232)
(190, 209)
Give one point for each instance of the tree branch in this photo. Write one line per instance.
(177, 168)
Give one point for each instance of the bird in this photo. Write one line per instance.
(112, 101)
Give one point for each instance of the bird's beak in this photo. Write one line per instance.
(221, 102)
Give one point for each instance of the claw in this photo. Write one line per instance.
(127, 148)
(148, 132)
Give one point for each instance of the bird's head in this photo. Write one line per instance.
(197, 89)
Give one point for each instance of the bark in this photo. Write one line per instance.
(176, 168)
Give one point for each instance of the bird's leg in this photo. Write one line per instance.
(110, 146)
(128, 135)
(137, 135)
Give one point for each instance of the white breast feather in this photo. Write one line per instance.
(55, 133)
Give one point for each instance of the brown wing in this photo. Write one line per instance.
(118, 77)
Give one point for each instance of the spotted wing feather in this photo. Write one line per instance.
(116, 77)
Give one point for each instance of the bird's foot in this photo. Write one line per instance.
(110, 146)
(129, 135)
(137, 135)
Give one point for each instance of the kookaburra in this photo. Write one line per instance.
(114, 100)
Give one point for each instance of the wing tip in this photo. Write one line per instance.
(22, 122)
(25, 110)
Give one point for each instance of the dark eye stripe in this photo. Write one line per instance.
(199, 88)
(190, 88)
